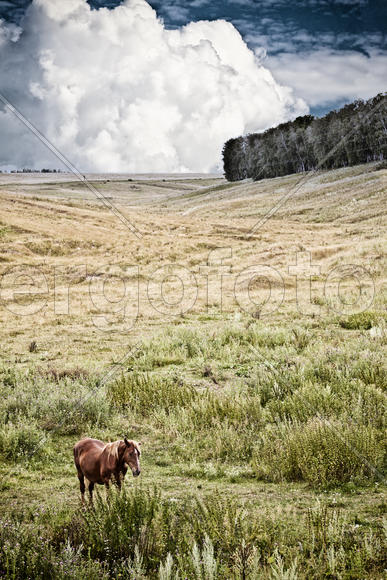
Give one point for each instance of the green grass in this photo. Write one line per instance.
(263, 457)
(143, 534)
(363, 320)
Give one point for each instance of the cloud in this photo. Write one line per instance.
(327, 76)
(115, 91)
(8, 32)
(176, 13)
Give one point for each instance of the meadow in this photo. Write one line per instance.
(247, 356)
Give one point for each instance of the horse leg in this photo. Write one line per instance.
(107, 486)
(82, 486)
(91, 487)
(118, 480)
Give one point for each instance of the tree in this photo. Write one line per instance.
(357, 133)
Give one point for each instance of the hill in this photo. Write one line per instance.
(241, 338)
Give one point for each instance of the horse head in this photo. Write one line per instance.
(130, 457)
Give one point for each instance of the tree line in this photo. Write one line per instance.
(356, 133)
(28, 170)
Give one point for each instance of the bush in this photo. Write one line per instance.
(361, 321)
(141, 521)
(322, 454)
(140, 534)
(70, 412)
(338, 369)
(30, 553)
(66, 407)
(354, 400)
(216, 425)
(22, 440)
(145, 393)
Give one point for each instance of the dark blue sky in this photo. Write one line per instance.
(298, 37)
(350, 24)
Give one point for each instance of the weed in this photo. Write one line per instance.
(361, 321)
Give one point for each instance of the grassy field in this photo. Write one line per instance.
(247, 355)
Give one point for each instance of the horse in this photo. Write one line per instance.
(101, 463)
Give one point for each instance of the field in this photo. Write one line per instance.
(246, 354)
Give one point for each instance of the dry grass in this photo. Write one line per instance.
(222, 401)
(58, 224)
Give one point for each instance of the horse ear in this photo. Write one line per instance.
(126, 442)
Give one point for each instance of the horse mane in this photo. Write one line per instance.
(112, 449)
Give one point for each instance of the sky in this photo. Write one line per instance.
(329, 51)
(173, 87)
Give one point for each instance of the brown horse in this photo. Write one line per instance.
(100, 462)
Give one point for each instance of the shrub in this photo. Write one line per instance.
(146, 393)
(69, 412)
(353, 400)
(276, 381)
(214, 426)
(199, 535)
(320, 453)
(140, 534)
(65, 407)
(128, 520)
(22, 440)
(30, 553)
(8, 376)
(361, 321)
(338, 368)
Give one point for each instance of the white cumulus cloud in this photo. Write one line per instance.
(116, 91)
(325, 76)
